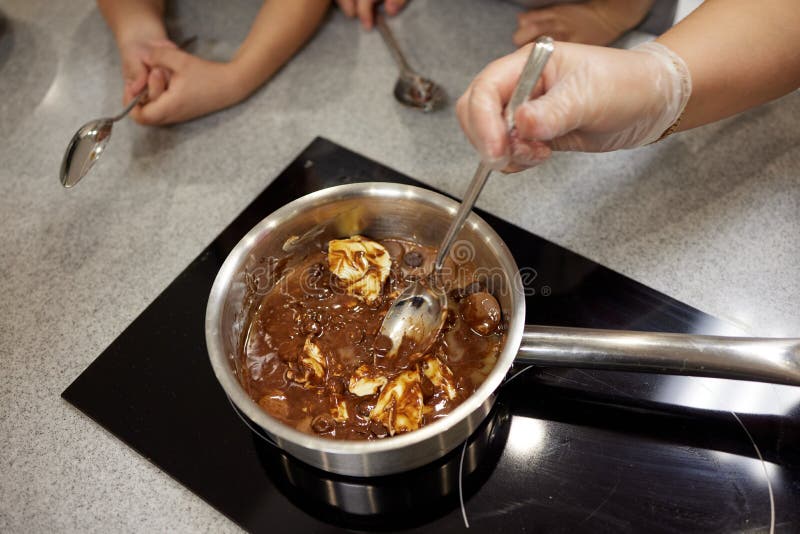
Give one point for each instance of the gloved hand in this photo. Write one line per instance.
(590, 99)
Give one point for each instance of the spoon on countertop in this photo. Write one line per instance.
(411, 89)
(418, 314)
(89, 142)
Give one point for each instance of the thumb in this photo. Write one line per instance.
(170, 58)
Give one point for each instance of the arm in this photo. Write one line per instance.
(740, 54)
(134, 19)
(280, 29)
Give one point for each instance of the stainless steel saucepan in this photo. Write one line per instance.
(385, 210)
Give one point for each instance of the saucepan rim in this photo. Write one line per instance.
(385, 190)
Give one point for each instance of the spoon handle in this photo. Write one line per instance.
(130, 105)
(475, 187)
(391, 42)
(531, 73)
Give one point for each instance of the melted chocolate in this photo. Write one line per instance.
(314, 360)
(481, 312)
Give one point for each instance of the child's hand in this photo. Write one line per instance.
(363, 9)
(595, 22)
(136, 72)
(194, 87)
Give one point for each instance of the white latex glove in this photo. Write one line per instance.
(590, 99)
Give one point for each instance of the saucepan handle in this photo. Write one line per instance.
(772, 360)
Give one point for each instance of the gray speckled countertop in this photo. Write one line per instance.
(710, 217)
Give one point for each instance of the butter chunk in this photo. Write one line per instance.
(399, 406)
(339, 412)
(312, 365)
(365, 382)
(440, 375)
(363, 265)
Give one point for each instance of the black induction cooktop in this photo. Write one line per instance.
(565, 450)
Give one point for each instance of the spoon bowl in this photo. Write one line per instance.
(87, 145)
(411, 89)
(418, 92)
(416, 316)
(84, 150)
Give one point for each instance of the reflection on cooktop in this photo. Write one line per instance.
(566, 449)
(378, 503)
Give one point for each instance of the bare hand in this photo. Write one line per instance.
(365, 11)
(137, 74)
(592, 22)
(194, 87)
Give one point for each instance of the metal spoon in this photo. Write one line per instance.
(411, 89)
(419, 312)
(88, 143)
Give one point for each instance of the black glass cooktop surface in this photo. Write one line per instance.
(565, 450)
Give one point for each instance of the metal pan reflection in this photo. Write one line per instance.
(381, 502)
